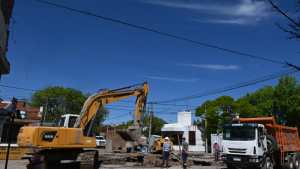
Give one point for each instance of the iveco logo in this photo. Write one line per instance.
(48, 135)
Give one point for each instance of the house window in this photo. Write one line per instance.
(192, 138)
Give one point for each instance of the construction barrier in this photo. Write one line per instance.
(16, 153)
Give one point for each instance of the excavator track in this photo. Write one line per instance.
(64, 159)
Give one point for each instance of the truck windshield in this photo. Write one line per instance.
(239, 133)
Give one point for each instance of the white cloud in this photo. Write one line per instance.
(238, 21)
(172, 79)
(213, 66)
(242, 12)
(252, 8)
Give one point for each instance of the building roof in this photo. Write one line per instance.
(32, 113)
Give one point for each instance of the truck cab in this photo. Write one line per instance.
(244, 145)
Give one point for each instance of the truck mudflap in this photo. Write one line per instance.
(243, 161)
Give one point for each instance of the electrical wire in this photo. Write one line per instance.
(116, 117)
(232, 87)
(159, 32)
(116, 108)
(18, 88)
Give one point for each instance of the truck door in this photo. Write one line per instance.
(262, 141)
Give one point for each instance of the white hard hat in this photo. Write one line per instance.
(166, 138)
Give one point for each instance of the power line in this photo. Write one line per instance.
(162, 106)
(116, 108)
(116, 117)
(232, 87)
(18, 88)
(159, 32)
(169, 104)
(16, 96)
(293, 66)
(173, 112)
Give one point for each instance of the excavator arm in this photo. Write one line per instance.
(52, 139)
(98, 100)
(56, 144)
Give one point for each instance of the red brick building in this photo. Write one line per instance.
(28, 116)
(32, 113)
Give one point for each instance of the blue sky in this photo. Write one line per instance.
(51, 46)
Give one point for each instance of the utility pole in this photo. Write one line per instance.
(205, 130)
(150, 110)
(12, 114)
(44, 112)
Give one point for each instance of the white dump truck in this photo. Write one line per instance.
(260, 143)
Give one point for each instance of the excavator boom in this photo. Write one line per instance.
(94, 102)
(60, 137)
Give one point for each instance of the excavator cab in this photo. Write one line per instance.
(67, 120)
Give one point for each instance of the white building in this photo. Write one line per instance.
(184, 128)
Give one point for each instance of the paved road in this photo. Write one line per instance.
(174, 167)
(14, 164)
(21, 164)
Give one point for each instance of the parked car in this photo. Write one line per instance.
(100, 141)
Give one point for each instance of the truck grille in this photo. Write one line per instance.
(237, 150)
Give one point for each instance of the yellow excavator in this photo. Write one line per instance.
(51, 146)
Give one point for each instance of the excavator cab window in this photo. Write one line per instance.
(67, 121)
(61, 122)
(72, 120)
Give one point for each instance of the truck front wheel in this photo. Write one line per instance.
(296, 160)
(290, 163)
(268, 164)
(230, 166)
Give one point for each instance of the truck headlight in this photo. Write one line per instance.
(253, 160)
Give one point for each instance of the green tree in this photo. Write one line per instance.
(259, 103)
(245, 109)
(281, 101)
(217, 112)
(100, 117)
(287, 101)
(157, 124)
(59, 100)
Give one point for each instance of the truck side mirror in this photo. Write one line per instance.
(260, 140)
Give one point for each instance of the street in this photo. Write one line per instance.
(21, 164)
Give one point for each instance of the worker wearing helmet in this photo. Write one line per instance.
(167, 147)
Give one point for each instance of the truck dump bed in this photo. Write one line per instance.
(287, 137)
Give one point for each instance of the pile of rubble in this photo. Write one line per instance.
(154, 160)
